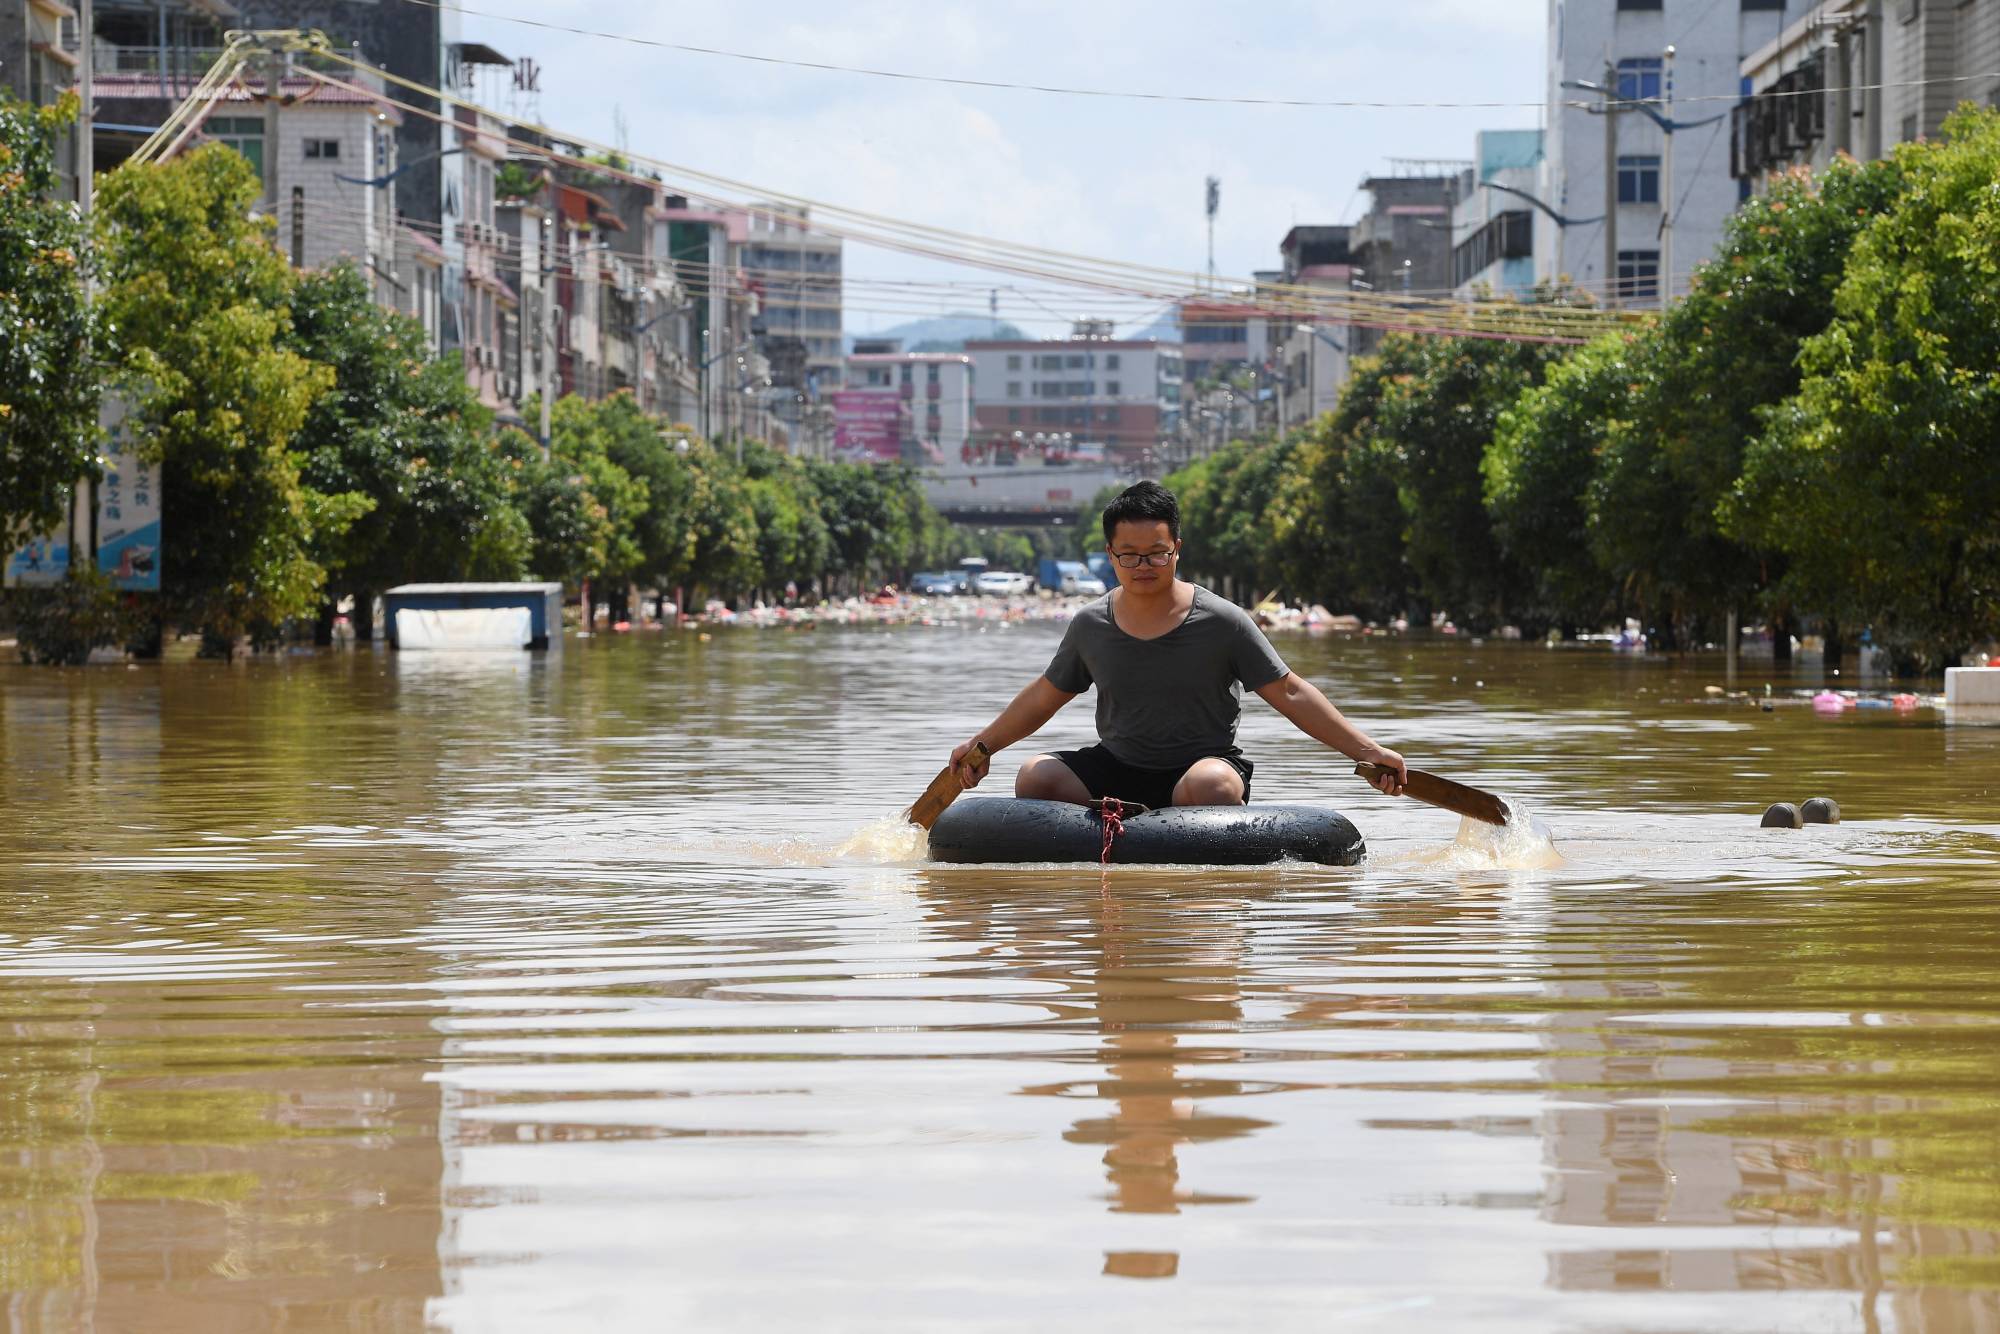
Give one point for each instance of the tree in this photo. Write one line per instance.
(406, 430)
(48, 380)
(1337, 517)
(1700, 381)
(580, 436)
(196, 306)
(568, 529)
(1538, 473)
(1437, 418)
(793, 543)
(1880, 477)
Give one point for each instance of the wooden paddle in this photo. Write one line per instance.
(1442, 792)
(944, 789)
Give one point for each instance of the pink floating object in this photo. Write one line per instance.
(1826, 701)
(1905, 703)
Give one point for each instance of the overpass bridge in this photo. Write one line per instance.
(1026, 495)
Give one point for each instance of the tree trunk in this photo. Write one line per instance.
(1836, 646)
(1781, 640)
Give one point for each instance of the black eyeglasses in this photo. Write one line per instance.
(1132, 560)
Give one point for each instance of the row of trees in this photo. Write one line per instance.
(1814, 431)
(310, 447)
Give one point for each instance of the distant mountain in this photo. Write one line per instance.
(1167, 330)
(941, 333)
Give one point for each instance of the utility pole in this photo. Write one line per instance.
(1214, 202)
(298, 226)
(1667, 189)
(547, 333)
(274, 93)
(1610, 185)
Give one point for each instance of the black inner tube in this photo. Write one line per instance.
(1014, 829)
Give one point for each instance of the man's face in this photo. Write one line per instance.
(1135, 538)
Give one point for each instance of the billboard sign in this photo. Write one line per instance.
(128, 519)
(868, 424)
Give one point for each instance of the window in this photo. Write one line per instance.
(245, 134)
(1076, 363)
(1014, 362)
(931, 373)
(327, 149)
(1638, 274)
(1639, 4)
(1112, 387)
(1013, 416)
(1639, 78)
(1778, 5)
(1111, 361)
(1013, 388)
(1639, 180)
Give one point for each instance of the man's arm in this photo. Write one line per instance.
(1033, 707)
(1313, 713)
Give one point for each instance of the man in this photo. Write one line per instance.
(1169, 660)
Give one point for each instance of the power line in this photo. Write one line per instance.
(907, 76)
(1115, 94)
(1528, 321)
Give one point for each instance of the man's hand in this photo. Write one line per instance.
(1396, 771)
(969, 770)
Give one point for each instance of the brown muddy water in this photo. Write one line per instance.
(381, 993)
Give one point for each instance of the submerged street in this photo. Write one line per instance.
(542, 991)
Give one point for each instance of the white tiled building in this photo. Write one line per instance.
(1623, 46)
(1860, 77)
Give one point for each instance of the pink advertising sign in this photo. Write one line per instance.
(868, 424)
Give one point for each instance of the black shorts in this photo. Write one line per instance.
(1105, 775)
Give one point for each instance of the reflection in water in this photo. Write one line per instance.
(603, 990)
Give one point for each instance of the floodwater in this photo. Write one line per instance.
(587, 991)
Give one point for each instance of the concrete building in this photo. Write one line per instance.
(1401, 248)
(1313, 351)
(1222, 338)
(796, 273)
(41, 58)
(1844, 77)
(1122, 394)
(1681, 60)
(912, 406)
(702, 245)
(316, 157)
(1492, 221)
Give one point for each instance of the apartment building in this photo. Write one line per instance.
(1492, 220)
(1313, 348)
(1659, 195)
(1124, 394)
(1859, 77)
(916, 407)
(796, 273)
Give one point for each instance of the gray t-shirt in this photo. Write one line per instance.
(1165, 703)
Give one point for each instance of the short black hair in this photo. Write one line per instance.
(1144, 502)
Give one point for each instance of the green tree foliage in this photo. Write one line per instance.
(581, 438)
(1538, 475)
(1880, 477)
(49, 385)
(794, 544)
(1698, 383)
(408, 432)
(197, 307)
(1436, 419)
(568, 530)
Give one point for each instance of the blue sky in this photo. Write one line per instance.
(1114, 179)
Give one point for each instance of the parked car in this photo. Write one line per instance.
(937, 584)
(1004, 583)
(1083, 585)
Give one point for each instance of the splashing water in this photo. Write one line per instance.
(890, 839)
(1524, 843)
